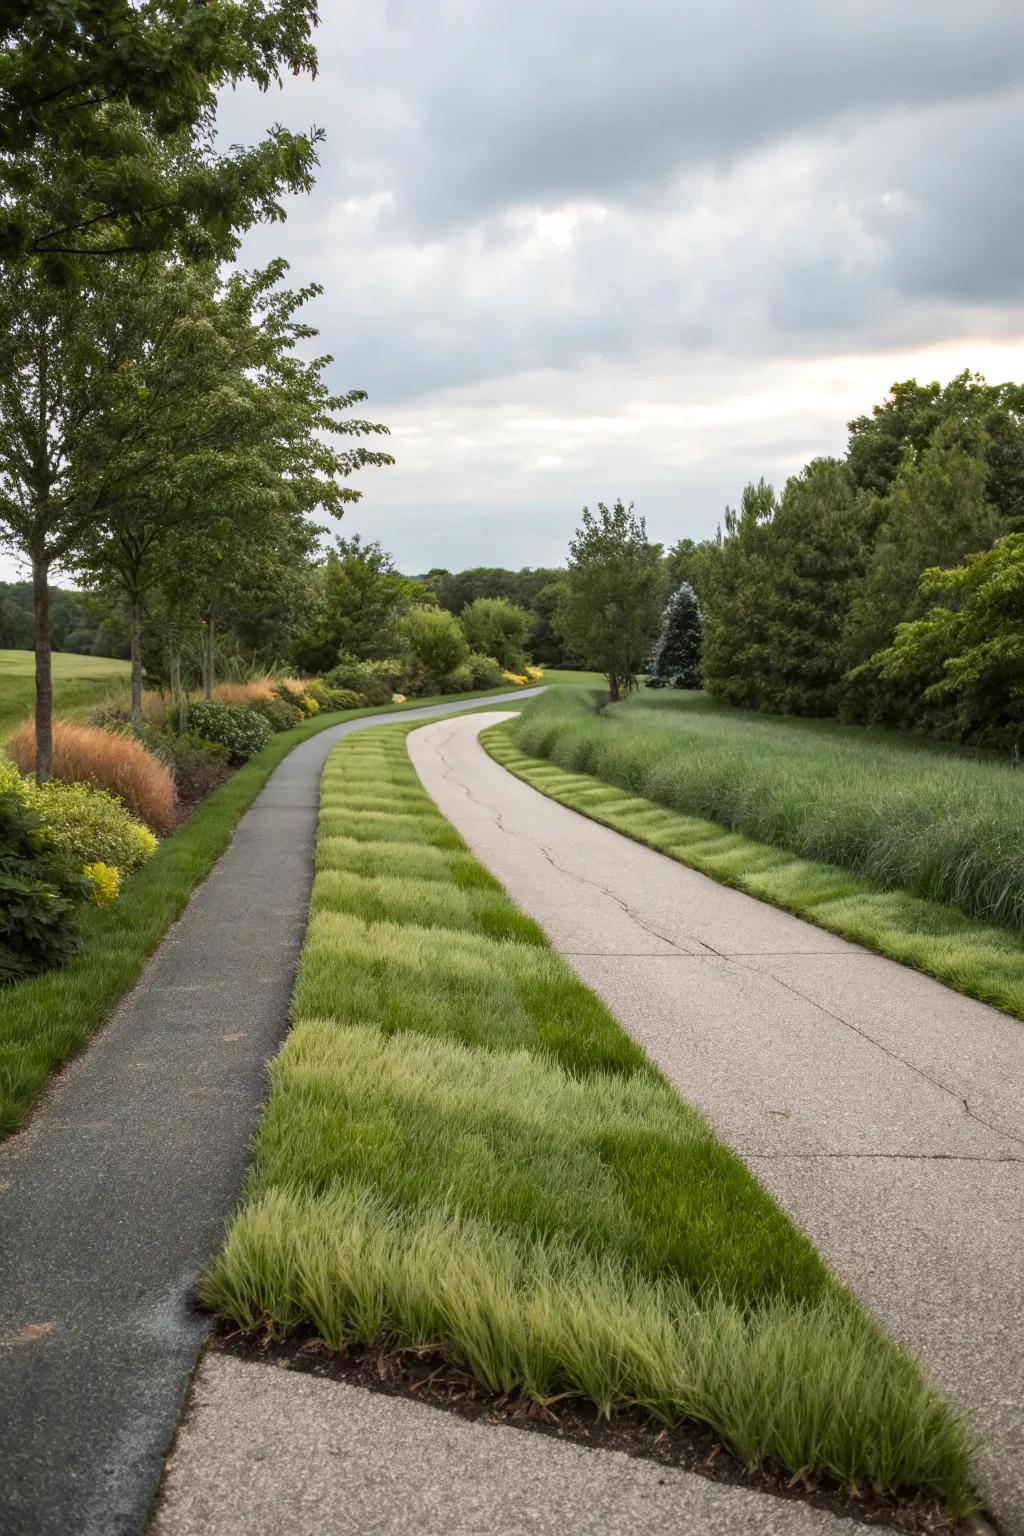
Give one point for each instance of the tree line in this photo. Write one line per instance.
(885, 587)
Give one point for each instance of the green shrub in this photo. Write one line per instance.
(108, 714)
(458, 680)
(39, 892)
(375, 680)
(242, 731)
(296, 695)
(279, 713)
(198, 766)
(90, 826)
(343, 698)
(484, 671)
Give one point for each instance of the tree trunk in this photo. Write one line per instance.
(136, 662)
(177, 700)
(44, 669)
(208, 663)
(613, 687)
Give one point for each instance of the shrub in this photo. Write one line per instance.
(279, 714)
(242, 731)
(105, 715)
(435, 639)
(39, 892)
(82, 754)
(484, 670)
(295, 694)
(319, 693)
(458, 680)
(197, 766)
(90, 826)
(497, 627)
(518, 678)
(375, 680)
(105, 881)
(342, 698)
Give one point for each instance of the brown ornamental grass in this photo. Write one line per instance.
(84, 754)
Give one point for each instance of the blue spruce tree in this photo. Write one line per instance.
(676, 661)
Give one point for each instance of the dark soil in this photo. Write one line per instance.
(431, 1379)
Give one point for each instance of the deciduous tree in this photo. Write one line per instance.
(611, 599)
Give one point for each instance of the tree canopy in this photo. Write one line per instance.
(611, 597)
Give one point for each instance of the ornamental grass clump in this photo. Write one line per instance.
(85, 754)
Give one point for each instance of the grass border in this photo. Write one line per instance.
(47, 1019)
(979, 960)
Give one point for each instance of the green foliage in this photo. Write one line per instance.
(937, 510)
(775, 599)
(435, 642)
(375, 681)
(88, 826)
(242, 731)
(360, 599)
(959, 671)
(676, 657)
(39, 892)
(107, 107)
(484, 671)
(496, 627)
(611, 597)
(199, 766)
(280, 714)
(533, 589)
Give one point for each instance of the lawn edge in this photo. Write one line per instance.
(497, 741)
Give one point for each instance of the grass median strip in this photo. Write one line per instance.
(463, 1152)
(984, 960)
(47, 1019)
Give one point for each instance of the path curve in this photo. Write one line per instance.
(117, 1192)
(884, 1111)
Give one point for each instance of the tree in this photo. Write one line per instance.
(499, 628)
(937, 511)
(360, 599)
(612, 596)
(960, 669)
(677, 653)
(106, 116)
(435, 641)
(171, 410)
(736, 652)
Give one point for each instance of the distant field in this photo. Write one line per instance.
(79, 683)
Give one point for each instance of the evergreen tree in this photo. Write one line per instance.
(676, 661)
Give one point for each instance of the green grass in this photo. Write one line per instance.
(79, 684)
(938, 823)
(982, 960)
(47, 1019)
(464, 1152)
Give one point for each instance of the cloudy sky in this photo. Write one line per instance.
(582, 250)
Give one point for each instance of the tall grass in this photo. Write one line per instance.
(464, 1152)
(85, 754)
(944, 826)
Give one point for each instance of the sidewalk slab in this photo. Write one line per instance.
(271, 1452)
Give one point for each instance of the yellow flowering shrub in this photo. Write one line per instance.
(519, 678)
(534, 673)
(309, 705)
(106, 882)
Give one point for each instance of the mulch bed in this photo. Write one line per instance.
(429, 1378)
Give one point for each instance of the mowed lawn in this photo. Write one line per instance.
(463, 1152)
(79, 684)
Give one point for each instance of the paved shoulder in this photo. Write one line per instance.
(271, 1452)
(885, 1112)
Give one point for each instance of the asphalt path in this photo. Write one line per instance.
(884, 1111)
(117, 1192)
